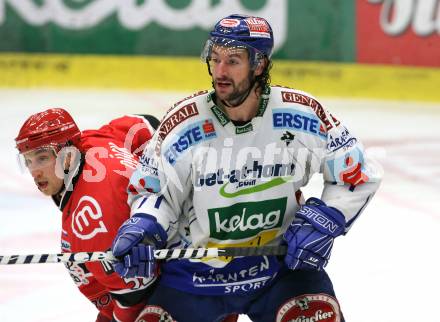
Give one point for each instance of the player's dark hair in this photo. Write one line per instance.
(263, 80)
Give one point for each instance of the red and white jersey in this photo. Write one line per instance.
(97, 206)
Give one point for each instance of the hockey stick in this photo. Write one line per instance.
(188, 253)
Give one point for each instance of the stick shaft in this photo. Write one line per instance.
(188, 253)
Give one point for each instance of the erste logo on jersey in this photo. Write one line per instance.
(285, 118)
(87, 219)
(310, 307)
(173, 120)
(190, 136)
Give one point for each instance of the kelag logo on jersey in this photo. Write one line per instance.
(190, 136)
(246, 219)
(284, 118)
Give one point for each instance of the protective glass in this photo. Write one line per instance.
(36, 159)
(232, 47)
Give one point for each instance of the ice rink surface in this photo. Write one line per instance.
(385, 270)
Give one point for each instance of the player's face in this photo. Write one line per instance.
(230, 73)
(41, 164)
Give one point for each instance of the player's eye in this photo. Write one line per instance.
(43, 159)
(232, 61)
(27, 163)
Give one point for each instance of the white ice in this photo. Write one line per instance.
(385, 270)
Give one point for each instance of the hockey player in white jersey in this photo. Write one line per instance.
(226, 168)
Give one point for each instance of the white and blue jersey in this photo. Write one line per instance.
(211, 183)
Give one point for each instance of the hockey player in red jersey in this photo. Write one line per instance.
(86, 174)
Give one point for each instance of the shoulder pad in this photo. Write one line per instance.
(289, 95)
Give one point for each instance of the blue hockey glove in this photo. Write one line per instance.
(134, 246)
(311, 234)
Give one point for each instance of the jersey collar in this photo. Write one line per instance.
(224, 120)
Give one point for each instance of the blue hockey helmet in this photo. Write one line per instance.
(241, 31)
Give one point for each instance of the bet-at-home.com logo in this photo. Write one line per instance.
(246, 219)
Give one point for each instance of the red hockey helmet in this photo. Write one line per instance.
(54, 127)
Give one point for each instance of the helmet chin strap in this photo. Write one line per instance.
(71, 175)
